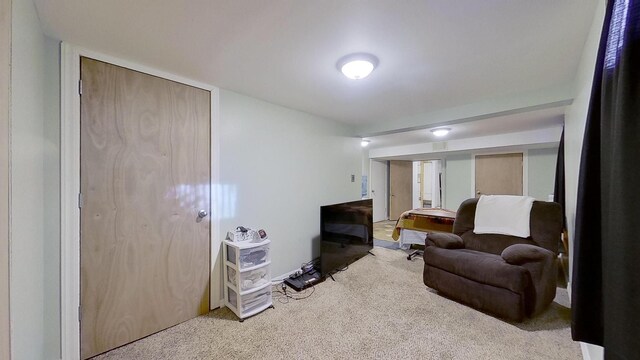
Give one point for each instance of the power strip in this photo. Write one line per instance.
(303, 271)
(296, 274)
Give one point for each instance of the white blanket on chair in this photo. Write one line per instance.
(503, 214)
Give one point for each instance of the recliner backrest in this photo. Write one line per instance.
(545, 224)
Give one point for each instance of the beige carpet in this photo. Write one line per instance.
(382, 230)
(377, 309)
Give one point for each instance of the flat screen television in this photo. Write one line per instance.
(346, 232)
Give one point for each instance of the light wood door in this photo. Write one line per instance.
(5, 72)
(145, 175)
(400, 188)
(499, 174)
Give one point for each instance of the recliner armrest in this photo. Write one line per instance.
(446, 240)
(519, 254)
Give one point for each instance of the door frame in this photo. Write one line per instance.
(70, 188)
(525, 168)
(386, 186)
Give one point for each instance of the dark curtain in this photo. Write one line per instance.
(558, 189)
(606, 259)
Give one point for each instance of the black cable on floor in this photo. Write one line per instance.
(284, 299)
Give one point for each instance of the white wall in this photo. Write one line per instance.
(575, 119)
(458, 176)
(542, 172)
(35, 241)
(457, 180)
(365, 170)
(5, 76)
(27, 204)
(51, 240)
(278, 166)
(576, 116)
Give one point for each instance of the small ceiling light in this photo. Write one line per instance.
(440, 132)
(364, 143)
(357, 66)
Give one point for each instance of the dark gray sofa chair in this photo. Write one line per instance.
(508, 276)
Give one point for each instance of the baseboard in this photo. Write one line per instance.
(279, 279)
(585, 351)
(591, 352)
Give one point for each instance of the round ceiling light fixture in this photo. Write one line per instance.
(357, 66)
(364, 142)
(440, 132)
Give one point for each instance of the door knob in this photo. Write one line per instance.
(202, 214)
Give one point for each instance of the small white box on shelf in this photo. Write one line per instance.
(247, 277)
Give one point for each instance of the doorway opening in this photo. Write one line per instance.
(428, 184)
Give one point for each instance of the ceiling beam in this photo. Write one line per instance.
(548, 137)
(560, 96)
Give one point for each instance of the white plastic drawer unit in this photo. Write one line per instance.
(232, 298)
(251, 303)
(247, 277)
(256, 301)
(247, 280)
(248, 256)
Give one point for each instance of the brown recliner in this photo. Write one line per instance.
(509, 276)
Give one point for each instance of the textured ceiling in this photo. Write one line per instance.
(434, 54)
